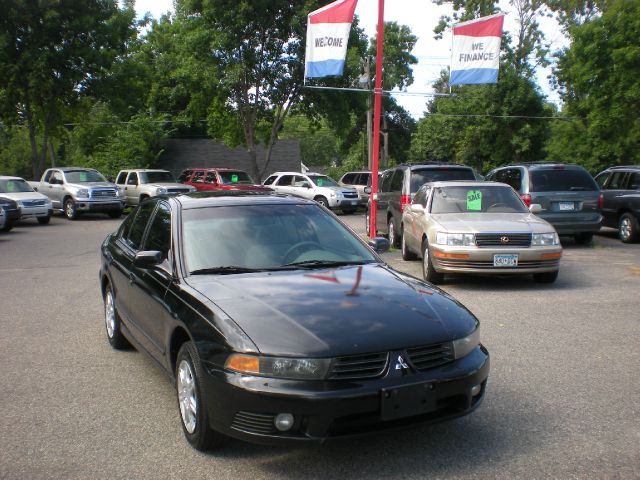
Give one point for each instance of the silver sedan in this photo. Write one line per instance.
(478, 227)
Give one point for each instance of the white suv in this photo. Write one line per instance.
(315, 186)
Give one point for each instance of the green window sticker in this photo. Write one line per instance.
(474, 200)
(234, 178)
(320, 182)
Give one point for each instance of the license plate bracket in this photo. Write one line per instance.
(505, 260)
(407, 401)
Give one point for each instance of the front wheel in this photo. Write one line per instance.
(628, 229)
(367, 220)
(70, 210)
(113, 322)
(429, 273)
(393, 237)
(322, 201)
(192, 402)
(7, 226)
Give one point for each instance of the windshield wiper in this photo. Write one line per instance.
(228, 269)
(324, 263)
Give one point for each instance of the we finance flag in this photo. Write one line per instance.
(475, 53)
(327, 35)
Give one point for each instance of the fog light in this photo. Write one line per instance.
(283, 421)
(475, 391)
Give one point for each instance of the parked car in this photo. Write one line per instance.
(478, 227)
(76, 190)
(358, 180)
(278, 324)
(32, 204)
(569, 197)
(398, 185)
(315, 186)
(11, 211)
(215, 179)
(3, 220)
(138, 184)
(621, 200)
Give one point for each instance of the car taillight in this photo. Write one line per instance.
(526, 198)
(601, 201)
(404, 200)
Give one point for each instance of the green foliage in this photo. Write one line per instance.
(319, 145)
(599, 76)
(15, 152)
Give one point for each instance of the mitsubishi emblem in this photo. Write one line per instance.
(401, 364)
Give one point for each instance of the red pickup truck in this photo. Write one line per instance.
(212, 179)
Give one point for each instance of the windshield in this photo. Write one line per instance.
(476, 199)
(14, 185)
(235, 177)
(558, 180)
(156, 177)
(439, 174)
(83, 176)
(323, 181)
(249, 237)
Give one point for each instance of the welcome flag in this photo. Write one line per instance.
(475, 53)
(327, 36)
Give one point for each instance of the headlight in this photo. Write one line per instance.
(161, 191)
(20, 204)
(463, 346)
(540, 239)
(82, 192)
(455, 239)
(280, 367)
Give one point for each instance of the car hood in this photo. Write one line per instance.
(91, 185)
(24, 196)
(492, 222)
(334, 312)
(166, 185)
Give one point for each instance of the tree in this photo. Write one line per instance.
(50, 52)
(599, 79)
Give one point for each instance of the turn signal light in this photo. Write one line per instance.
(551, 256)
(244, 363)
(455, 256)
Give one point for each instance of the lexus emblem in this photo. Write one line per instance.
(504, 240)
(401, 364)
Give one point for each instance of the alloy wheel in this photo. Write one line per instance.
(625, 228)
(110, 315)
(187, 396)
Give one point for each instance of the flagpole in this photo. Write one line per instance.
(377, 95)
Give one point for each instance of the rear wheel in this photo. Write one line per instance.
(406, 253)
(70, 210)
(545, 277)
(44, 220)
(367, 220)
(192, 402)
(628, 229)
(584, 238)
(429, 273)
(393, 237)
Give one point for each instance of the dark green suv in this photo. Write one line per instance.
(569, 197)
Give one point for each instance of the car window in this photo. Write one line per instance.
(618, 181)
(601, 179)
(155, 177)
(122, 176)
(236, 176)
(210, 178)
(135, 233)
(420, 177)
(47, 176)
(386, 181)
(159, 234)
(348, 178)
(476, 199)
(132, 179)
(14, 185)
(420, 197)
(634, 181)
(300, 181)
(323, 181)
(84, 176)
(184, 176)
(285, 180)
(510, 176)
(558, 180)
(56, 177)
(270, 180)
(198, 176)
(396, 181)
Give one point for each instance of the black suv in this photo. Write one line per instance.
(397, 186)
(621, 207)
(568, 195)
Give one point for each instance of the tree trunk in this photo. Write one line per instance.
(35, 171)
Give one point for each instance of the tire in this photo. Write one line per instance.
(142, 198)
(394, 241)
(545, 277)
(44, 220)
(367, 220)
(583, 238)
(192, 402)
(406, 253)
(429, 273)
(112, 321)
(115, 214)
(70, 210)
(322, 201)
(7, 226)
(628, 228)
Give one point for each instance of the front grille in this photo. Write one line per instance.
(430, 356)
(110, 193)
(33, 203)
(353, 195)
(488, 264)
(359, 366)
(175, 191)
(503, 239)
(252, 422)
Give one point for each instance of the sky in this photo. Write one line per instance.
(421, 16)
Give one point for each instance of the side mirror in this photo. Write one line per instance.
(379, 244)
(147, 259)
(535, 208)
(416, 207)
(367, 190)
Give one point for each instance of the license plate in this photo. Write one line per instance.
(407, 401)
(510, 260)
(566, 206)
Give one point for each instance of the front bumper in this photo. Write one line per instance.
(100, 207)
(570, 224)
(340, 202)
(35, 212)
(481, 260)
(245, 407)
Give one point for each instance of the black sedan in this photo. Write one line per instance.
(278, 324)
(11, 211)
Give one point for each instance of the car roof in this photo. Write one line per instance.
(9, 177)
(466, 183)
(623, 167)
(237, 197)
(143, 170)
(70, 169)
(215, 169)
(546, 165)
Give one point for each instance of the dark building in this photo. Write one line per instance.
(181, 153)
